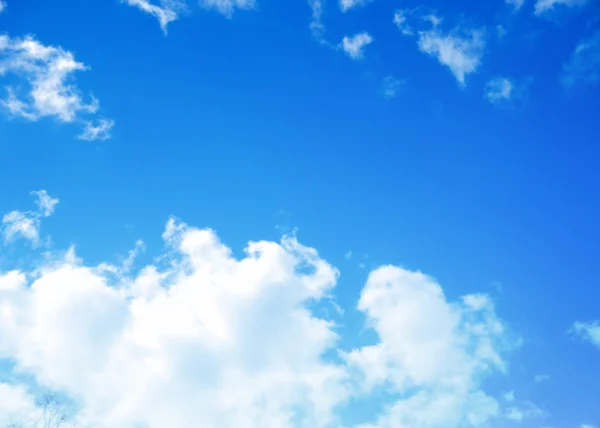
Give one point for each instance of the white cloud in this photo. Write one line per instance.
(45, 88)
(15, 402)
(499, 89)
(401, 22)
(316, 24)
(167, 12)
(391, 87)
(587, 426)
(45, 202)
(543, 6)
(518, 411)
(346, 5)
(509, 396)
(589, 331)
(17, 224)
(97, 131)
(517, 4)
(200, 335)
(26, 225)
(227, 7)
(2, 6)
(354, 46)
(460, 51)
(211, 338)
(584, 65)
(541, 378)
(416, 325)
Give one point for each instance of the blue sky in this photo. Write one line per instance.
(420, 176)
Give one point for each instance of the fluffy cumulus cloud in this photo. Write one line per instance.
(206, 338)
(416, 325)
(354, 46)
(584, 65)
(44, 82)
(201, 335)
(346, 5)
(589, 331)
(26, 224)
(460, 49)
(543, 6)
(499, 89)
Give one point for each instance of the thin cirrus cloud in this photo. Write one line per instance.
(391, 87)
(205, 336)
(354, 46)
(516, 4)
(45, 88)
(460, 49)
(583, 68)
(544, 6)
(2, 6)
(317, 27)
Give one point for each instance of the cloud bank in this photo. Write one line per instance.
(200, 335)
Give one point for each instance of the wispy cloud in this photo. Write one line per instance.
(541, 378)
(354, 46)
(584, 65)
(460, 49)
(346, 5)
(516, 4)
(167, 12)
(317, 27)
(589, 331)
(26, 224)
(499, 89)
(401, 21)
(45, 202)
(2, 6)
(45, 87)
(543, 6)
(461, 52)
(99, 130)
(227, 7)
(391, 87)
